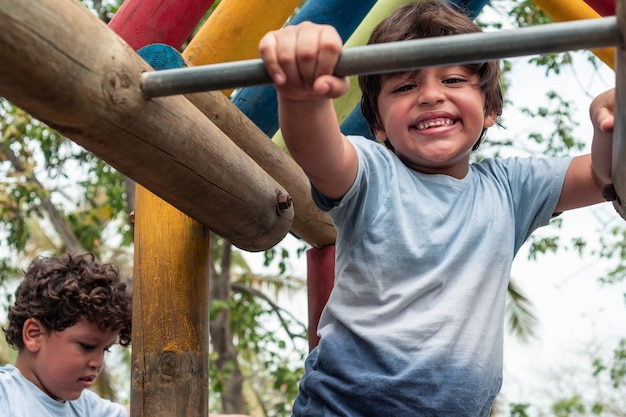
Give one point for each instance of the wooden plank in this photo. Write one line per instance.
(66, 68)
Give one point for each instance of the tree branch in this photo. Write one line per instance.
(235, 286)
(60, 225)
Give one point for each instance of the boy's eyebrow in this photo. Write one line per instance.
(403, 74)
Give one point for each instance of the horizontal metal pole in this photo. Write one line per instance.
(401, 56)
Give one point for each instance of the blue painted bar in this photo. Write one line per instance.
(260, 103)
(355, 124)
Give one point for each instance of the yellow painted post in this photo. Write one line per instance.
(170, 319)
(234, 29)
(565, 10)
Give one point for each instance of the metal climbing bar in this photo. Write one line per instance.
(401, 56)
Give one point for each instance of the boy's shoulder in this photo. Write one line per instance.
(9, 374)
(91, 404)
(22, 398)
(14, 392)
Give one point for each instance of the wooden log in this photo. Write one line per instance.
(309, 223)
(170, 360)
(142, 22)
(68, 69)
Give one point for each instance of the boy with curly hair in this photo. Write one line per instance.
(68, 312)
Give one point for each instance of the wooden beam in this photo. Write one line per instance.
(69, 70)
(309, 224)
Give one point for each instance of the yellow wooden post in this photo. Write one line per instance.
(171, 317)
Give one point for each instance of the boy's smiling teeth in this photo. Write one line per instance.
(434, 123)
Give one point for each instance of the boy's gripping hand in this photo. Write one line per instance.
(601, 112)
(301, 59)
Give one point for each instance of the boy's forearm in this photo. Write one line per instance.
(308, 127)
(602, 118)
(313, 137)
(601, 157)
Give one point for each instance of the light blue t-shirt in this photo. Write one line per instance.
(21, 398)
(414, 323)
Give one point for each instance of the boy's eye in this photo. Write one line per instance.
(87, 346)
(403, 88)
(453, 80)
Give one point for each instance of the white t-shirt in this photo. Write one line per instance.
(21, 398)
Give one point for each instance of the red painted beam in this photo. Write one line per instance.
(320, 281)
(143, 22)
(603, 7)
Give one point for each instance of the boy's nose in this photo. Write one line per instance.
(97, 361)
(430, 93)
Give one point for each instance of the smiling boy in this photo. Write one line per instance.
(425, 239)
(68, 312)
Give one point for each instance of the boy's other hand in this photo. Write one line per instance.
(601, 111)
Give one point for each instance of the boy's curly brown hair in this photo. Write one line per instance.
(60, 291)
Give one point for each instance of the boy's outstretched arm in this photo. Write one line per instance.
(301, 60)
(587, 174)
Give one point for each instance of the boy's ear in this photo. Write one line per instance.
(380, 135)
(490, 119)
(32, 334)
